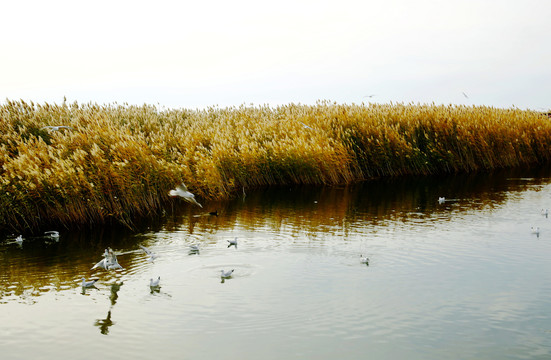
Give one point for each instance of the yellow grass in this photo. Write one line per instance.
(118, 162)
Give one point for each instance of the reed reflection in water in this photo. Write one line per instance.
(461, 279)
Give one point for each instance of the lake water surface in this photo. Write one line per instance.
(462, 279)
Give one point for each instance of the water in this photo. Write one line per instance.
(465, 279)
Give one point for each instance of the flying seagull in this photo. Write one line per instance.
(182, 191)
(465, 95)
(57, 128)
(152, 255)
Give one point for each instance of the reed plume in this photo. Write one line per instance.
(117, 162)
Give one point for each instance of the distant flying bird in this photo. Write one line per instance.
(465, 95)
(369, 96)
(226, 274)
(232, 242)
(154, 282)
(304, 125)
(57, 128)
(87, 284)
(152, 255)
(182, 191)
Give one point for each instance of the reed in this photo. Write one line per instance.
(119, 161)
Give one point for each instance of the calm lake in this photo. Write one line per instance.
(461, 279)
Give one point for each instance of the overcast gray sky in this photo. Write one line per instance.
(181, 54)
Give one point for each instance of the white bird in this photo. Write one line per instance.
(535, 230)
(194, 248)
(86, 284)
(152, 255)
(52, 234)
(182, 191)
(154, 282)
(305, 126)
(545, 212)
(364, 260)
(57, 128)
(232, 242)
(19, 239)
(109, 261)
(103, 263)
(441, 200)
(226, 274)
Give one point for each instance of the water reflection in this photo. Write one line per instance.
(42, 265)
(105, 324)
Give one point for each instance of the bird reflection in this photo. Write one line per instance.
(104, 324)
(114, 290)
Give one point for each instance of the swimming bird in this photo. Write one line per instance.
(232, 242)
(226, 274)
(214, 213)
(152, 255)
(56, 128)
(545, 212)
(194, 248)
(182, 191)
(441, 200)
(535, 230)
(154, 282)
(19, 239)
(87, 284)
(364, 259)
(52, 234)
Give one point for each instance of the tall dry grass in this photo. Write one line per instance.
(119, 161)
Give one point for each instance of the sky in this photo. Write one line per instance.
(184, 54)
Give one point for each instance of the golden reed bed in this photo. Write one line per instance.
(118, 162)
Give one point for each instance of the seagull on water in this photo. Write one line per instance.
(52, 234)
(441, 200)
(232, 242)
(194, 248)
(152, 255)
(535, 230)
(19, 239)
(182, 191)
(364, 259)
(545, 212)
(87, 284)
(226, 274)
(154, 283)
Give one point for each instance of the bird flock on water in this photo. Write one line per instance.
(110, 261)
